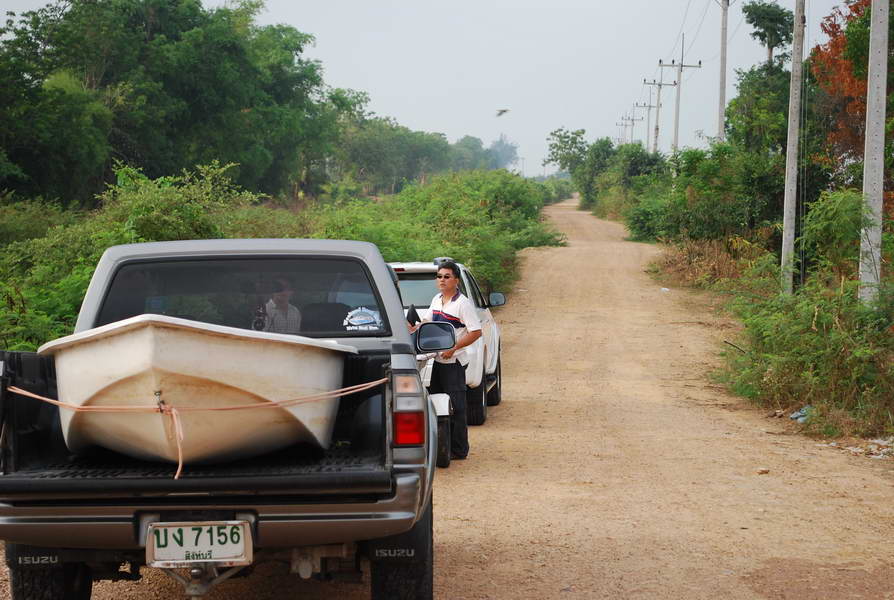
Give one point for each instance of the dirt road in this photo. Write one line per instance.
(615, 469)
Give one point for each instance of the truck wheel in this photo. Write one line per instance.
(410, 580)
(493, 396)
(443, 442)
(70, 582)
(476, 403)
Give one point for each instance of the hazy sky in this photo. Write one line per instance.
(449, 66)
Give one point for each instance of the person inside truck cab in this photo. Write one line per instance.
(282, 316)
(448, 373)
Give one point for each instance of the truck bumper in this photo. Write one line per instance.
(277, 525)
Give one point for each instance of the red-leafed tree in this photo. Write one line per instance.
(845, 93)
(840, 67)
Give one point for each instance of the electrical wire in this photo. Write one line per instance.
(738, 25)
(682, 26)
(803, 158)
(728, 40)
(699, 28)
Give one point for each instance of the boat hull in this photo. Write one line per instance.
(189, 365)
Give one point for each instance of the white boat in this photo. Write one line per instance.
(150, 358)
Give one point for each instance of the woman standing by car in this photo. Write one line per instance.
(448, 374)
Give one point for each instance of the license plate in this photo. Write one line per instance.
(224, 543)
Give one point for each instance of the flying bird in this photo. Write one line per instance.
(502, 112)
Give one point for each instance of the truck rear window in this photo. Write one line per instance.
(316, 297)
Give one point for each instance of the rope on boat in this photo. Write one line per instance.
(174, 412)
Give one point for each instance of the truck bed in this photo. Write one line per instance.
(38, 465)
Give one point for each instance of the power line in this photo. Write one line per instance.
(803, 155)
(699, 28)
(739, 24)
(732, 35)
(642, 91)
(790, 214)
(682, 26)
(679, 66)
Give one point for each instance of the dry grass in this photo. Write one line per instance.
(698, 263)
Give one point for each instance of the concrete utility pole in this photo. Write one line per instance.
(622, 133)
(659, 85)
(648, 106)
(679, 66)
(874, 152)
(626, 124)
(721, 110)
(632, 120)
(791, 153)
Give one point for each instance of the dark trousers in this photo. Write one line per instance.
(450, 379)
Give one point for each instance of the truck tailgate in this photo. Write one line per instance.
(337, 472)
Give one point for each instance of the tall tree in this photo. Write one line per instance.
(502, 152)
(757, 117)
(570, 151)
(162, 85)
(469, 153)
(773, 25)
(567, 149)
(840, 68)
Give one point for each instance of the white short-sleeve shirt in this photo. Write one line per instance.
(287, 321)
(459, 312)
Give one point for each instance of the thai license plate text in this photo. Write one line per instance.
(225, 543)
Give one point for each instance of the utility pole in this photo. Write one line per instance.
(648, 106)
(625, 123)
(874, 152)
(632, 120)
(791, 153)
(679, 66)
(659, 85)
(721, 110)
(622, 133)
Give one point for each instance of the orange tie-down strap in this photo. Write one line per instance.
(174, 412)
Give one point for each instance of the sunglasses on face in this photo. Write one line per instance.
(442, 276)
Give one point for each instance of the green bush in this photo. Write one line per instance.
(480, 218)
(831, 231)
(646, 220)
(719, 193)
(820, 346)
(27, 219)
(557, 189)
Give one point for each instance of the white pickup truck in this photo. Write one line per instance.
(483, 375)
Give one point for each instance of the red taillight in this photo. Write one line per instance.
(409, 428)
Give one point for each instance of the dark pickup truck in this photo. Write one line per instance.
(70, 519)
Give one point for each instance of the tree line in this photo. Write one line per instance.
(164, 85)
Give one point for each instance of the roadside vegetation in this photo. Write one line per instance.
(718, 210)
(480, 217)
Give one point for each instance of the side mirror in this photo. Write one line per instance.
(496, 299)
(435, 337)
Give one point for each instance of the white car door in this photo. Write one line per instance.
(488, 326)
